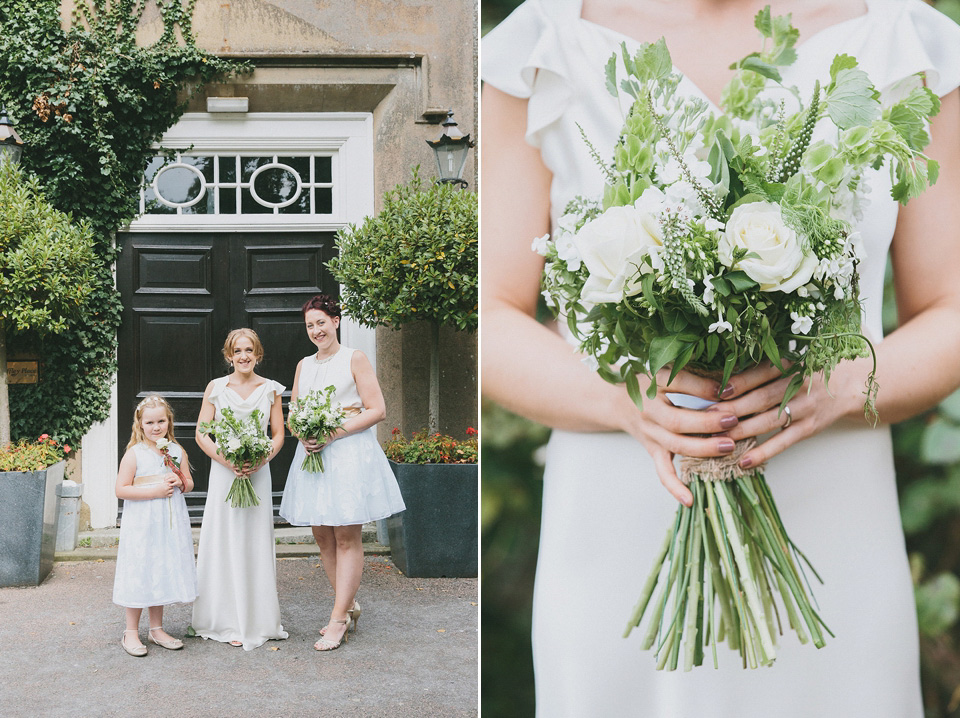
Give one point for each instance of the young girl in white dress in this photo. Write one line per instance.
(831, 473)
(155, 558)
(357, 484)
(236, 559)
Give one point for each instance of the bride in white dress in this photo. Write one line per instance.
(236, 558)
(832, 474)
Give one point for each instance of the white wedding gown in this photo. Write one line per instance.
(237, 555)
(605, 512)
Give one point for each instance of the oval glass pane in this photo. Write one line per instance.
(179, 185)
(276, 185)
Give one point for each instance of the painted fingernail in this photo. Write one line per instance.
(725, 445)
(727, 391)
(728, 422)
(746, 462)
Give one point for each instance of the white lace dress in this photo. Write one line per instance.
(357, 484)
(605, 512)
(236, 559)
(155, 564)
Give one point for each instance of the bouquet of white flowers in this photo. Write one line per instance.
(724, 240)
(239, 442)
(315, 415)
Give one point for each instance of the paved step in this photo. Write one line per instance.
(292, 541)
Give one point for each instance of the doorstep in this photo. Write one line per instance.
(292, 542)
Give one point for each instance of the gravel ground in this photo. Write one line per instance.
(414, 654)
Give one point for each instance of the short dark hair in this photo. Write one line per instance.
(324, 302)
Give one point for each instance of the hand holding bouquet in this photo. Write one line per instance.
(723, 240)
(242, 444)
(314, 416)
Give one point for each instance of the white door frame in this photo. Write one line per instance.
(347, 136)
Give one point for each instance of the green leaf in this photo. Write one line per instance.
(938, 604)
(665, 349)
(755, 64)
(852, 100)
(611, 75)
(951, 406)
(633, 389)
(740, 282)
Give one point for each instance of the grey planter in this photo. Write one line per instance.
(437, 534)
(28, 524)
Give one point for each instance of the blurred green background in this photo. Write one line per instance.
(927, 458)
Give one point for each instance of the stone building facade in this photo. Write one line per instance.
(241, 214)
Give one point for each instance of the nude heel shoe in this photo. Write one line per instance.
(137, 651)
(354, 614)
(325, 644)
(174, 644)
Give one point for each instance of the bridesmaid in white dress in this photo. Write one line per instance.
(356, 484)
(236, 559)
(831, 473)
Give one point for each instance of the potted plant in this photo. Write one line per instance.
(417, 261)
(437, 533)
(29, 475)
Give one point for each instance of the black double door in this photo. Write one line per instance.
(182, 293)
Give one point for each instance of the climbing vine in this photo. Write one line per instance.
(90, 102)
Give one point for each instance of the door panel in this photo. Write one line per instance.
(182, 293)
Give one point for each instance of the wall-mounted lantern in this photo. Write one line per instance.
(451, 149)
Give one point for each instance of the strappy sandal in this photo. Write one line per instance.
(353, 613)
(325, 644)
(137, 651)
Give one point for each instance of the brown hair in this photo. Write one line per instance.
(324, 302)
(233, 337)
(151, 401)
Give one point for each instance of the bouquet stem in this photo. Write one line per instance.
(718, 570)
(313, 463)
(241, 494)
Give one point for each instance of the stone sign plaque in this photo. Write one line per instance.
(23, 372)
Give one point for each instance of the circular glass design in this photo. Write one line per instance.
(179, 185)
(275, 185)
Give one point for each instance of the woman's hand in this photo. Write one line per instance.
(755, 395)
(313, 445)
(666, 430)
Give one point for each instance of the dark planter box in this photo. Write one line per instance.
(437, 534)
(28, 524)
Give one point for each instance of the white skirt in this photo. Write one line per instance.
(155, 564)
(357, 485)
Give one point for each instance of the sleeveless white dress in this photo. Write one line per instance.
(357, 484)
(155, 564)
(605, 512)
(236, 559)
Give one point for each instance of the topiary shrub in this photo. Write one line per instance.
(414, 261)
(45, 277)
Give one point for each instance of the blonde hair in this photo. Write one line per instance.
(233, 337)
(151, 401)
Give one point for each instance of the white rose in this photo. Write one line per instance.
(163, 444)
(233, 443)
(780, 263)
(612, 247)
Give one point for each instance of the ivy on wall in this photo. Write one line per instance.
(90, 103)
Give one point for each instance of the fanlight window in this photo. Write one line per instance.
(236, 184)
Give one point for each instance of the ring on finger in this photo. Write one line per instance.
(786, 410)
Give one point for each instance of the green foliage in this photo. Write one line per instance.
(44, 258)
(33, 455)
(426, 448)
(414, 261)
(89, 104)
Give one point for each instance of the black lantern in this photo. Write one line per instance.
(451, 149)
(11, 146)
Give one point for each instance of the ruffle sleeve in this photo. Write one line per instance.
(524, 57)
(216, 390)
(274, 389)
(914, 37)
